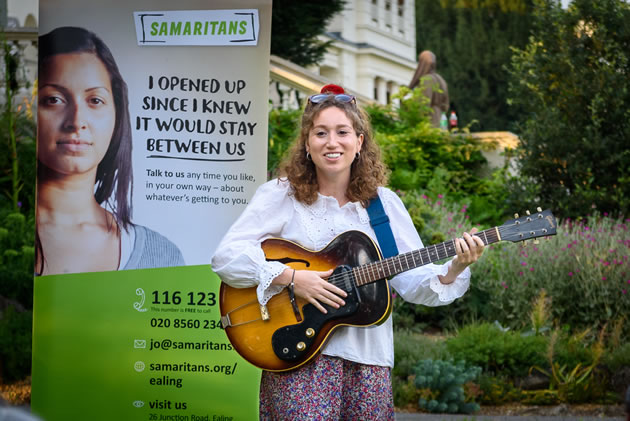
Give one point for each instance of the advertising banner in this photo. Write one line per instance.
(152, 137)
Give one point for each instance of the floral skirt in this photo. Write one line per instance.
(329, 388)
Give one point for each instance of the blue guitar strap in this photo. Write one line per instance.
(380, 222)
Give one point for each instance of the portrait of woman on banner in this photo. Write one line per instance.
(84, 168)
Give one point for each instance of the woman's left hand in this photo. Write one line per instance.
(468, 249)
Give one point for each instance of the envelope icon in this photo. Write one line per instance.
(139, 343)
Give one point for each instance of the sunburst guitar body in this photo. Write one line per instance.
(279, 338)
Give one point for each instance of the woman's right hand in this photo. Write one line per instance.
(314, 288)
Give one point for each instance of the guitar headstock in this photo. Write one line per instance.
(540, 224)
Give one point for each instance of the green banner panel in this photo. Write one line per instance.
(137, 345)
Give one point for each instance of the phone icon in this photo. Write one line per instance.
(138, 305)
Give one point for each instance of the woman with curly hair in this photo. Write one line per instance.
(331, 174)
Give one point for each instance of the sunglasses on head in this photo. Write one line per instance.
(343, 98)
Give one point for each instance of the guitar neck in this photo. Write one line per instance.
(391, 266)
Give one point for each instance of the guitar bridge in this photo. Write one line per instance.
(264, 313)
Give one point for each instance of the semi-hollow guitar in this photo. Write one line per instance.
(284, 334)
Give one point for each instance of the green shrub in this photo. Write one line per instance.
(497, 390)
(576, 383)
(414, 150)
(496, 350)
(17, 258)
(283, 130)
(409, 348)
(444, 383)
(406, 394)
(15, 344)
(618, 358)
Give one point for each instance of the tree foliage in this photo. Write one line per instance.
(573, 82)
(296, 25)
(472, 40)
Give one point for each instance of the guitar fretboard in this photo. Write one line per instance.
(391, 266)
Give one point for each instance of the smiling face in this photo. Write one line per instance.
(333, 144)
(76, 113)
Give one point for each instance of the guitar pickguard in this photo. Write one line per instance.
(290, 343)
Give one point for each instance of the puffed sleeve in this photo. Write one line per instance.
(420, 285)
(239, 259)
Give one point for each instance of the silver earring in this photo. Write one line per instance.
(308, 156)
(357, 155)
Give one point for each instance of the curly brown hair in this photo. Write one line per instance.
(367, 173)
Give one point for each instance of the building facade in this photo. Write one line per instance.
(373, 53)
(373, 48)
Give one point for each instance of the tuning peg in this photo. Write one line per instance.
(516, 215)
(536, 242)
(538, 209)
(523, 243)
(527, 212)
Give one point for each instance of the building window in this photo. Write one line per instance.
(374, 11)
(401, 19)
(390, 91)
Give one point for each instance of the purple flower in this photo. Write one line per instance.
(570, 273)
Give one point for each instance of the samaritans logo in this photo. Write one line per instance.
(197, 27)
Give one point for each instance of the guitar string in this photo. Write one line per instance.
(340, 279)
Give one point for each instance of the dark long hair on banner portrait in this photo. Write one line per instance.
(114, 178)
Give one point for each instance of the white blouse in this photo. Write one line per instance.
(274, 212)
